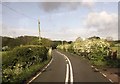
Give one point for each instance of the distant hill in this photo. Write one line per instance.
(24, 40)
(28, 40)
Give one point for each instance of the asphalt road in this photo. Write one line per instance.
(55, 72)
(67, 67)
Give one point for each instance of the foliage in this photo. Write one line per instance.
(113, 63)
(22, 59)
(24, 40)
(55, 44)
(94, 37)
(50, 52)
(94, 49)
(11, 43)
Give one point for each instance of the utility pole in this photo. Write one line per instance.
(39, 29)
(40, 41)
(62, 44)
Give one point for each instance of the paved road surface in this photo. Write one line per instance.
(69, 68)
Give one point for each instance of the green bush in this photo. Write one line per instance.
(22, 59)
(93, 49)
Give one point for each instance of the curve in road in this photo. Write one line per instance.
(64, 66)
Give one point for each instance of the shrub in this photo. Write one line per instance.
(19, 60)
(93, 49)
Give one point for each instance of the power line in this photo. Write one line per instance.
(19, 12)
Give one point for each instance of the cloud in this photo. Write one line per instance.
(56, 6)
(15, 32)
(102, 24)
(50, 6)
(105, 23)
(67, 33)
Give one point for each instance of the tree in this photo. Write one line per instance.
(94, 37)
(79, 39)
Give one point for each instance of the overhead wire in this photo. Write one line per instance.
(12, 9)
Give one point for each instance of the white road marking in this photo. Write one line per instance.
(34, 78)
(92, 66)
(104, 75)
(71, 70)
(110, 80)
(96, 69)
(43, 70)
(40, 72)
(67, 74)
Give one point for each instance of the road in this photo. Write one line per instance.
(67, 68)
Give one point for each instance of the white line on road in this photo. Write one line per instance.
(104, 75)
(96, 69)
(67, 74)
(34, 78)
(71, 70)
(111, 80)
(40, 72)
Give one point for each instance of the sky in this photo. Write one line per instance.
(60, 20)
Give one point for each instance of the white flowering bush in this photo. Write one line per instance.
(93, 49)
(66, 47)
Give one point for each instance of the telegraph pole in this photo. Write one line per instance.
(39, 29)
(40, 42)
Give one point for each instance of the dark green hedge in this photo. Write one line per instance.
(21, 59)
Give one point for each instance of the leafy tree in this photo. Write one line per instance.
(94, 37)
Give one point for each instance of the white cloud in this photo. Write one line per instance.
(69, 6)
(105, 23)
(15, 32)
(101, 24)
(69, 33)
(88, 3)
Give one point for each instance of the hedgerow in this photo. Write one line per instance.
(22, 62)
(96, 50)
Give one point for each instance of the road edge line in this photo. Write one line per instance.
(40, 72)
(102, 74)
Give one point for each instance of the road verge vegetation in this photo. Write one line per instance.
(94, 49)
(23, 62)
